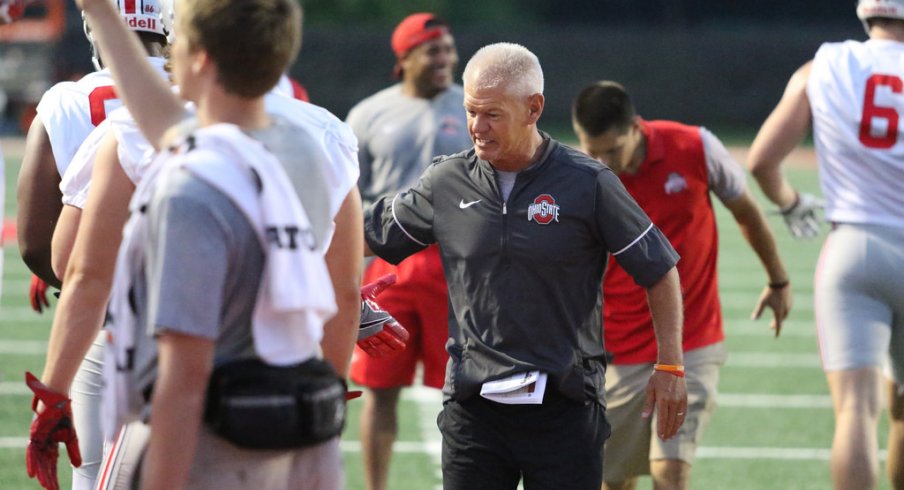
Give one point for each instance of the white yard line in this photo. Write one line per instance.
(748, 400)
(24, 314)
(14, 388)
(13, 442)
(704, 452)
(783, 453)
(772, 360)
(748, 299)
(23, 347)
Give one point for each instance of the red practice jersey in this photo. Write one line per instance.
(672, 187)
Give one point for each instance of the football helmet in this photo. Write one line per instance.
(11, 10)
(155, 16)
(868, 9)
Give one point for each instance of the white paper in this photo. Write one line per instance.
(519, 389)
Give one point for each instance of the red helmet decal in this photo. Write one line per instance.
(544, 210)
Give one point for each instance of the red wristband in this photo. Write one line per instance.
(673, 369)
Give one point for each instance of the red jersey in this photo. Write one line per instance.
(672, 186)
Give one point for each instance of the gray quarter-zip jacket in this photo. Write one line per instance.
(524, 275)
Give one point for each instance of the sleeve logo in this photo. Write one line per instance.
(544, 210)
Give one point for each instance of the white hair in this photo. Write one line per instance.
(506, 65)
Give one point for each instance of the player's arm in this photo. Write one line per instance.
(89, 273)
(728, 181)
(64, 239)
(38, 200)
(148, 96)
(184, 367)
(666, 392)
(783, 130)
(344, 261)
(777, 294)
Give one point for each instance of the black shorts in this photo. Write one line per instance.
(556, 445)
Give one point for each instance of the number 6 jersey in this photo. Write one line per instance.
(856, 94)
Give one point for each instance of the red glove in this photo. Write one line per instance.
(38, 294)
(380, 334)
(11, 10)
(48, 429)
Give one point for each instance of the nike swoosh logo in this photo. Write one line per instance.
(466, 205)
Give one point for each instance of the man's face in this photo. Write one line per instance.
(500, 125)
(430, 65)
(616, 148)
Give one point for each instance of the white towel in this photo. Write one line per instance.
(121, 400)
(296, 295)
(295, 298)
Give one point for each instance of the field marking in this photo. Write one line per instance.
(738, 299)
(24, 314)
(23, 347)
(772, 360)
(13, 388)
(429, 403)
(747, 400)
(428, 407)
(13, 442)
(704, 452)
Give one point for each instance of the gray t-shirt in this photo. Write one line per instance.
(204, 262)
(399, 135)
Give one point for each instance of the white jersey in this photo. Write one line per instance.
(135, 153)
(71, 110)
(856, 94)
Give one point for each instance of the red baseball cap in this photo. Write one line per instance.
(416, 29)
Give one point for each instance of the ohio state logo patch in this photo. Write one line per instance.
(544, 210)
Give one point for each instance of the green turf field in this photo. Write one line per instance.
(772, 429)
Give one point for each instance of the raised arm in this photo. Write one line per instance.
(777, 293)
(148, 97)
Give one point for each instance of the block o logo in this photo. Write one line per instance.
(544, 210)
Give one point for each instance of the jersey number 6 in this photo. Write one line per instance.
(871, 111)
(96, 100)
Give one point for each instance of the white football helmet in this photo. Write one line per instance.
(155, 16)
(868, 9)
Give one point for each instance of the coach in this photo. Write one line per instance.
(525, 226)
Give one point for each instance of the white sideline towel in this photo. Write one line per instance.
(295, 297)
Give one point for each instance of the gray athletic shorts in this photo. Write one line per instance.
(634, 443)
(859, 299)
(223, 466)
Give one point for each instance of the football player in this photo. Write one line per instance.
(67, 113)
(852, 95)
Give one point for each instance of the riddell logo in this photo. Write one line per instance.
(544, 210)
(136, 23)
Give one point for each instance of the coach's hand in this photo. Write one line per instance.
(50, 427)
(667, 394)
(37, 293)
(379, 333)
(801, 216)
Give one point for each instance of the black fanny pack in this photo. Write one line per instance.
(258, 406)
